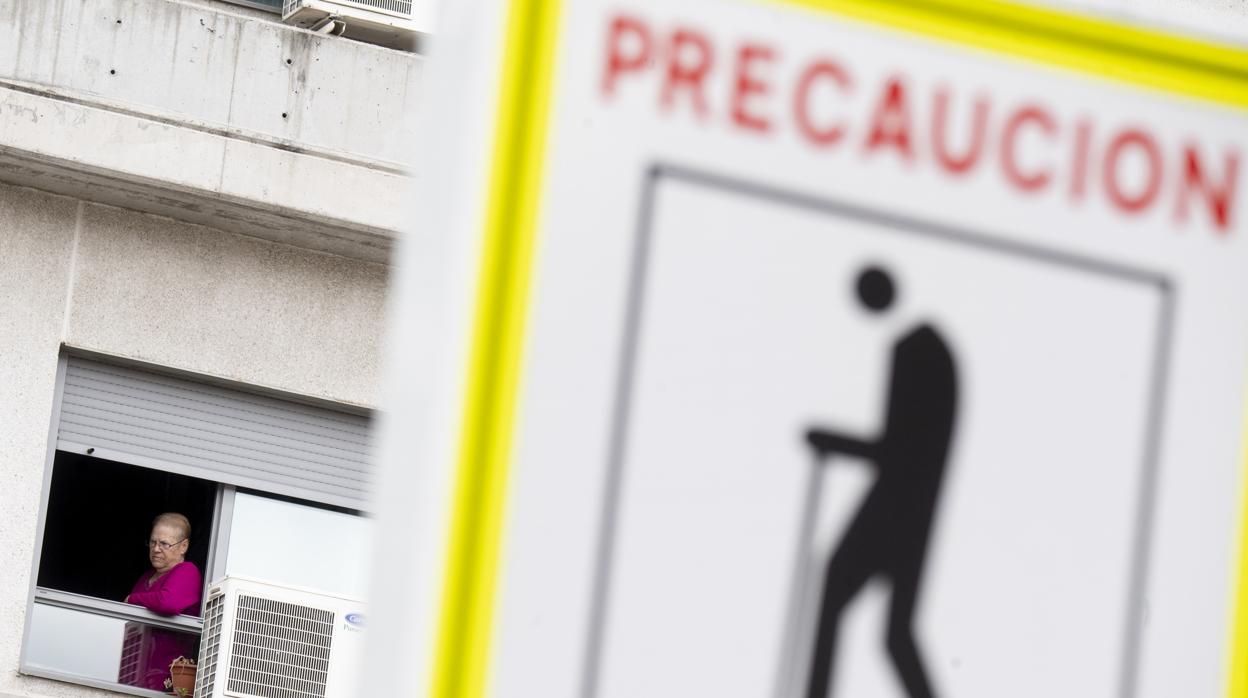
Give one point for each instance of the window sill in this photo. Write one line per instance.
(116, 609)
(54, 675)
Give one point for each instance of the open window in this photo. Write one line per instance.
(98, 517)
(274, 489)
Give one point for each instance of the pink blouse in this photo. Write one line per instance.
(176, 591)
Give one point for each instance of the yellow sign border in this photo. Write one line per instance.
(488, 422)
(1148, 57)
(1167, 62)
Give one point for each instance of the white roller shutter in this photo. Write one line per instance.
(217, 433)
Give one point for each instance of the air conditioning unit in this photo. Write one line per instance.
(386, 22)
(266, 641)
(136, 649)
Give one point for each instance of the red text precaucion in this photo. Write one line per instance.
(1033, 147)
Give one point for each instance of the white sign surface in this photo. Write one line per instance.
(715, 477)
(757, 209)
(863, 363)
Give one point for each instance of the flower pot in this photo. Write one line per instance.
(183, 676)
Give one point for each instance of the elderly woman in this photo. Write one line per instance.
(172, 586)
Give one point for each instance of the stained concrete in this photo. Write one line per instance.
(212, 66)
(264, 220)
(213, 117)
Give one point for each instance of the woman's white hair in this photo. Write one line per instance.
(174, 520)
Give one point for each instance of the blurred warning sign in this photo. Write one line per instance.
(831, 348)
(737, 410)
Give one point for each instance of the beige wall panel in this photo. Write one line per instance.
(36, 243)
(227, 305)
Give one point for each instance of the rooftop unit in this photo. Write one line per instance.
(396, 23)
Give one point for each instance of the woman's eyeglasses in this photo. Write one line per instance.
(161, 545)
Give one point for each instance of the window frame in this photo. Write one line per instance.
(77, 602)
(215, 565)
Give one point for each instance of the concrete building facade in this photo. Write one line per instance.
(185, 186)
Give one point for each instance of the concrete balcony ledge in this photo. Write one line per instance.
(211, 117)
(304, 199)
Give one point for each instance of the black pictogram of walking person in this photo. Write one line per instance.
(889, 534)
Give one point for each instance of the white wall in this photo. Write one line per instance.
(192, 297)
(293, 148)
(158, 290)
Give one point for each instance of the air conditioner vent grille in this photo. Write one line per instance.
(280, 650)
(400, 6)
(210, 646)
(133, 652)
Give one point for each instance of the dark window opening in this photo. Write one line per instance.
(100, 514)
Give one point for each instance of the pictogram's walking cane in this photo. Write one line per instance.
(801, 619)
